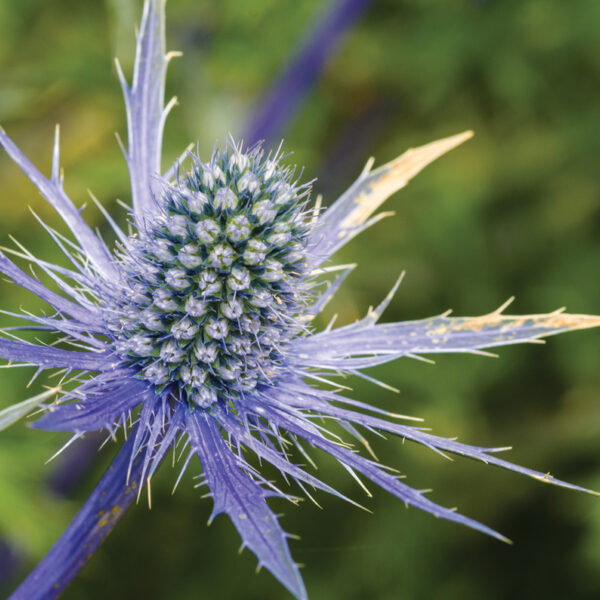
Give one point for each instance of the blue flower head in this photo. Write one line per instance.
(198, 329)
(214, 293)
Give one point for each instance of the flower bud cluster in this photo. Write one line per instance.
(214, 286)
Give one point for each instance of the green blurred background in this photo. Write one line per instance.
(514, 211)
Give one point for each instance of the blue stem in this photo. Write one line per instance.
(280, 103)
(94, 521)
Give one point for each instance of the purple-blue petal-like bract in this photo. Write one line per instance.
(198, 328)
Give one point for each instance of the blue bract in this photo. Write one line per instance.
(198, 327)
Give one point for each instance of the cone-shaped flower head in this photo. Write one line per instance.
(212, 292)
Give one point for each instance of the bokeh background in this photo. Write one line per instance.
(514, 211)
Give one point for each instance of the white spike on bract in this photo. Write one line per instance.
(327, 295)
(333, 269)
(421, 358)
(118, 231)
(72, 439)
(378, 217)
(377, 382)
(405, 417)
(331, 323)
(123, 149)
(38, 371)
(485, 353)
(122, 79)
(333, 384)
(56, 156)
(173, 102)
(173, 168)
(368, 166)
(169, 56)
(504, 306)
(317, 208)
(501, 449)
(373, 315)
(357, 479)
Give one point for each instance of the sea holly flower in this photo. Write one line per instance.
(198, 329)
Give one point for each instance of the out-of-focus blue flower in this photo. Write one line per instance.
(198, 330)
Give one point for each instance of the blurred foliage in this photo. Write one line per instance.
(515, 211)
